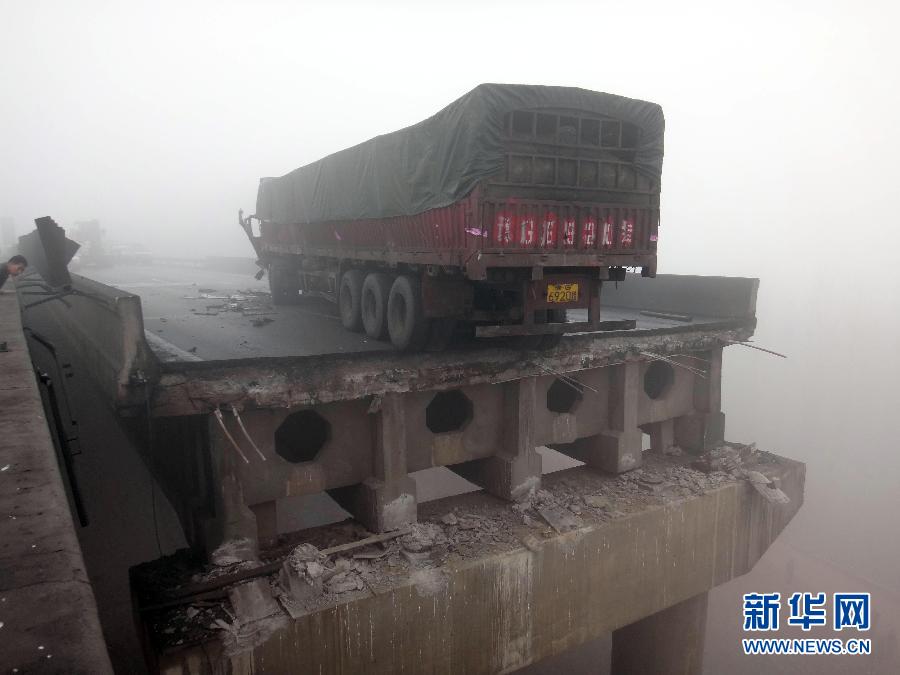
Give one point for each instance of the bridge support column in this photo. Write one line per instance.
(266, 521)
(706, 427)
(662, 435)
(618, 448)
(669, 642)
(234, 523)
(515, 472)
(387, 501)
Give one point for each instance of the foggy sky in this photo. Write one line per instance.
(781, 150)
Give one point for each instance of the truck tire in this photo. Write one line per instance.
(284, 284)
(374, 302)
(349, 295)
(406, 320)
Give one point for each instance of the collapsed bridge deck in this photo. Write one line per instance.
(233, 439)
(487, 586)
(177, 331)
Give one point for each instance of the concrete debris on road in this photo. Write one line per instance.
(422, 537)
(476, 525)
(558, 519)
(732, 457)
(233, 551)
(726, 457)
(249, 303)
(252, 600)
(767, 487)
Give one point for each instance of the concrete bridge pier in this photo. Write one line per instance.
(514, 472)
(669, 642)
(387, 500)
(706, 427)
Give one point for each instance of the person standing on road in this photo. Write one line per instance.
(12, 268)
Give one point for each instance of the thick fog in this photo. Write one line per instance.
(782, 147)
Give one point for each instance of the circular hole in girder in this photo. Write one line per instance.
(302, 436)
(448, 411)
(562, 397)
(658, 379)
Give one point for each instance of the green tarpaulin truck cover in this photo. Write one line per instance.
(439, 161)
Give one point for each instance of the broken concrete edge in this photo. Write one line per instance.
(122, 361)
(165, 351)
(507, 607)
(105, 331)
(48, 610)
(201, 387)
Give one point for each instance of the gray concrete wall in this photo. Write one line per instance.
(48, 614)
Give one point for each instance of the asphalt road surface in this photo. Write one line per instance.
(196, 313)
(183, 306)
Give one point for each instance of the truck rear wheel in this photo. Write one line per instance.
(375, 292)
(406, 320)
(349, 296)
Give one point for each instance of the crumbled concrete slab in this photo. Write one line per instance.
(252, 600)
(458, 530)
(483, 563)
(194, 388)
(233, 551)
(558, 519)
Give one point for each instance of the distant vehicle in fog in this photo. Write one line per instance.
(504, 210)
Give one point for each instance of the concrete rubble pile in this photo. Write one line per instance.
(310, 579)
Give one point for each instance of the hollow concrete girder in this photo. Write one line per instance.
(365, 449)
